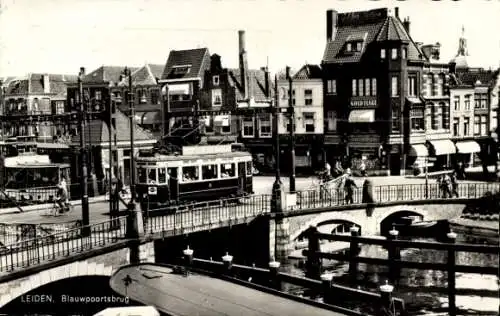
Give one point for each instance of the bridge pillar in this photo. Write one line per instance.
(313, 264)
(134, 231)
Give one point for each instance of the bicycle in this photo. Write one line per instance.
(56, 210)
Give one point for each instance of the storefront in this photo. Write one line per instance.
(466, 150)
(442, 150)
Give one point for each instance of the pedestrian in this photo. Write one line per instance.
(446, 183)
(349, 186)
(454, 184)
(362, 168)
(367, 192)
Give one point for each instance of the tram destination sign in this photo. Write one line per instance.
(363, 102)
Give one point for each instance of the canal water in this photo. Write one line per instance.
(424, 291)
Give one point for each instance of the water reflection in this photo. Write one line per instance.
(425, 291)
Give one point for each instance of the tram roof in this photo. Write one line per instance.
(160, 157)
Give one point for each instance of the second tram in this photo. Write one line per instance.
(199, 173)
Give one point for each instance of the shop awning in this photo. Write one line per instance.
(418, 151)
(443, 147)
(362, 116)
(468, 147)
(221, 120)
(176, 89)
(151, 118)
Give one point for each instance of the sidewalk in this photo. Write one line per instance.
(39, 207)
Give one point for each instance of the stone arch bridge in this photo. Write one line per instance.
(369, 218)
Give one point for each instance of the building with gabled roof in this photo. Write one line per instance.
(375, 110)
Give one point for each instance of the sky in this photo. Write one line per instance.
(60, 36)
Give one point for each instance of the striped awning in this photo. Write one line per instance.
(418, 150)
(468, 147)
(443, 147)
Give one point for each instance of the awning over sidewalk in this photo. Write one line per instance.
(418, 150)
(468, 147)
(443, 147)
(362, 116)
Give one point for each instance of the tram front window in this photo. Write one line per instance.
(162, 175)
(141, 172)
(152, 175)
(209, 172)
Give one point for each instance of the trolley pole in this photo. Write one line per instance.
(83, 158)
(291, 112)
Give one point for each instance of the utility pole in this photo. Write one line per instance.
(83, 158)
(291, 113)
(277, 182)
(132, 147)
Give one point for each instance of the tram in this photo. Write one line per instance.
(30, 178)
(198, 173)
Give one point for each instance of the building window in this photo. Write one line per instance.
(428, 85)
(395, 119)
(404, 53)
(434, 116)
(412, 86)
(98, 95)
(374, 86)
(467, 102)
(440, 85)
(288, 126)
(354, 88)
(180, 71)
(456, 102)
(394, 86)
(394, 53)
(484, 125)
(59, 107)
(466, 126)
(361, 90)
(293, 97)
(456, 126)
(331, 121)
(367, 86)
(155, 96)
(331, 86)
(215, 81)
(477, 122)
(382, 53)
(308, 97)
(248, 127)
(309, 122)
(359, 45)
(417, 119)
(265, 126)
(349, 47)
(216, 97)
(481, 101)
(445, 116)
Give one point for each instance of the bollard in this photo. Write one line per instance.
(386, 302)
(394, 255)
(326, 282)
(353, 254)
(228, 263)
(452, 306)
(274, 267)
(188, 256)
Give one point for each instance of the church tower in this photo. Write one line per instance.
(460, 59)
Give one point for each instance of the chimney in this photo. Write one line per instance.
(406, 25)
(243, 64)
(46, 83)
(82, 71)
(267, 80)
(331, 25)
(396, 12)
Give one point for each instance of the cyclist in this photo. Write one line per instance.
(62, 196)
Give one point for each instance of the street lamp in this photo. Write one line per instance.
(83, 157)
(291, 112)
(132, 146)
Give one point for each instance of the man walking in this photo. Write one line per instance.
(349, 186)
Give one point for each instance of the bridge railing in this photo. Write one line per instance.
(208, 214)
(337, 196)
(34, 251)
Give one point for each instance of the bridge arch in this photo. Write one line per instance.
(397, 218)
(12, 291)
(325, 219)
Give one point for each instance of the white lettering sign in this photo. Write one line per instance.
(363, 103)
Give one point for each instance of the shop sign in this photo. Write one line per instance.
(363, 102)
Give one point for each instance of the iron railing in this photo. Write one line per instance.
(40, 249)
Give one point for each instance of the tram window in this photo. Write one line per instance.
(141, 175)
(227, 170)
(172, 173)
(162, 175)
(190, 173)
(151, 175)
(249, 168)
(209, 172)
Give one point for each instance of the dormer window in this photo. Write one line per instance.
(181, 69)
(348, 47)
(354, 46)
(215, 80)
(358, 46)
